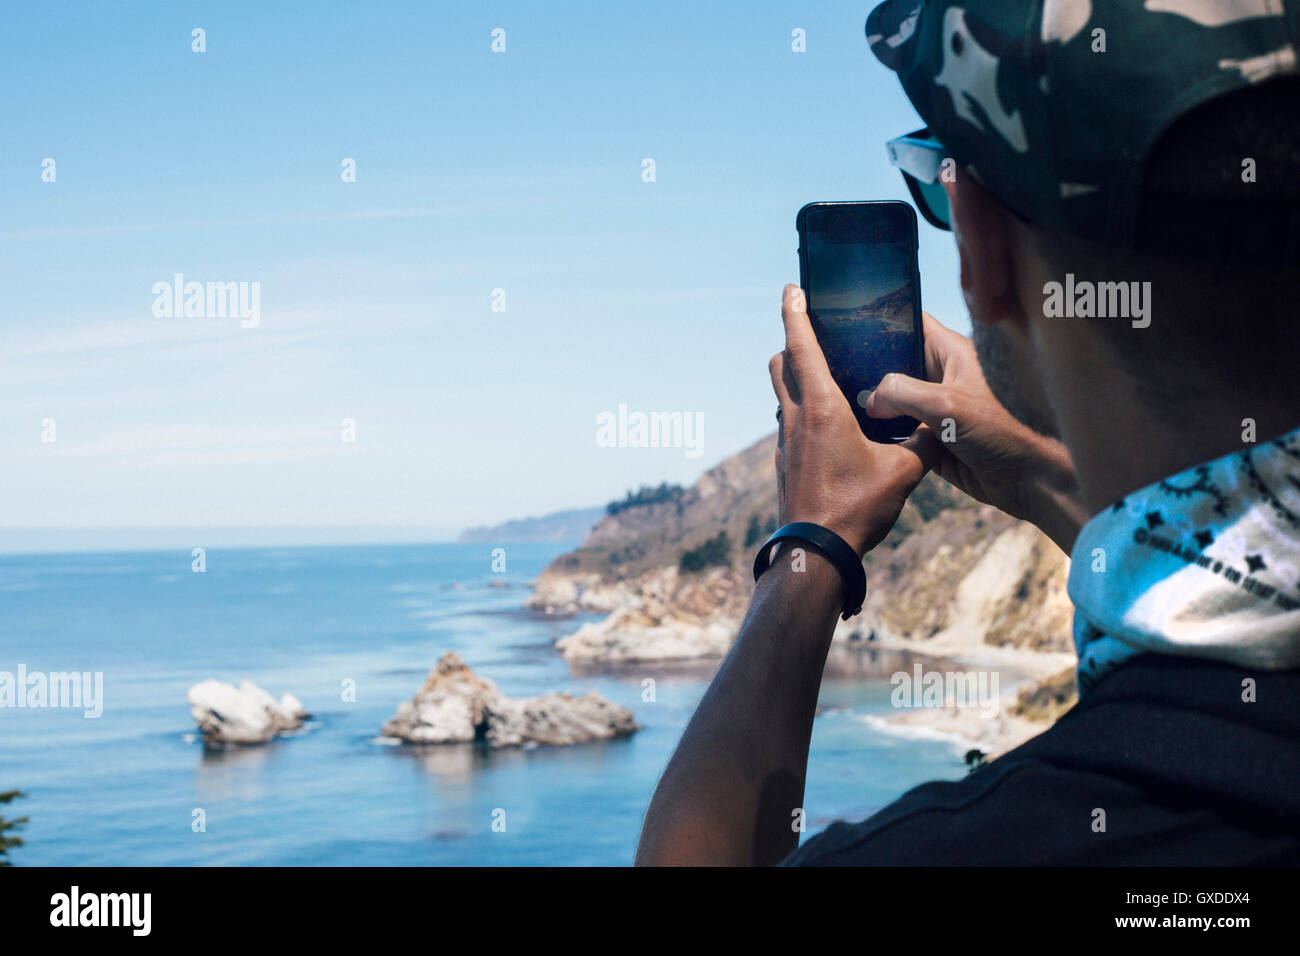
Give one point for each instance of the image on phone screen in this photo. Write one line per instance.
(860, 276)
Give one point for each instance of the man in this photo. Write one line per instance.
(1150, 144)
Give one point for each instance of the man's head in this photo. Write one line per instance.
(1208, 301)
(1127, 197)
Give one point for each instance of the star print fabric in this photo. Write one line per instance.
(1205, 563)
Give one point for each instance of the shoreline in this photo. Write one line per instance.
(625, 638)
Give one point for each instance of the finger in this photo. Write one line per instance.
(933, 330)
(942, 344)
(776, 368)
(899, 394)
(780, 383)
(932, 327)
(936, 346)
(779, 462)
(803, 355)
(780, 374)
(927, 448)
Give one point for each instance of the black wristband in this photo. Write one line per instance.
(836, 550)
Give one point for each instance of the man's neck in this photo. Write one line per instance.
(1123, 439)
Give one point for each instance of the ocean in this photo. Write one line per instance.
(131, 786)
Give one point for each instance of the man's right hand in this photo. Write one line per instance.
(993, 457)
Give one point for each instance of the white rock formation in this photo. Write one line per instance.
(564, 596)
(630, 635)
(293, 706)
(455, 705)
(663, 615)
(242, 715)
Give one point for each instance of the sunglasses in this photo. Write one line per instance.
(919, 157)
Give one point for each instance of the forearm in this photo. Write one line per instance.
(731, 789)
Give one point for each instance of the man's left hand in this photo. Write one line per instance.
(828, 472)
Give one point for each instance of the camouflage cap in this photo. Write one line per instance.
(1054, 105)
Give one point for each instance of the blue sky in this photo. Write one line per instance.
(475, 171)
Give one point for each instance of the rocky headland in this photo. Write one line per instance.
(956, 580)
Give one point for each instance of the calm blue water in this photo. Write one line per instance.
(121, 789)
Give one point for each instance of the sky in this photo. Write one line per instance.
(436, 341)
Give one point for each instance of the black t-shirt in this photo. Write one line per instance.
(1182, 766)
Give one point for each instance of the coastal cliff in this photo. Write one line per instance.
(954, 580)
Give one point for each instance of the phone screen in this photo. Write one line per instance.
(858, 270)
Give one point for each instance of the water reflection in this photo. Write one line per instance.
(232, 772)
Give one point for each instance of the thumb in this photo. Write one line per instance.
(899, 394)
(927, 448)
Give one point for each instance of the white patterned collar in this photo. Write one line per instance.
(1205, 564)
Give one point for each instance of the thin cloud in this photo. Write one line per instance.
(363, 215)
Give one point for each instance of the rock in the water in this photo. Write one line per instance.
(293, 706)
(455, 705)
(242, 715)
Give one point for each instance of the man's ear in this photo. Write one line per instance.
(980, 227)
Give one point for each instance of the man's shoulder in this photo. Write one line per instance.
(1018, 810)
(1168, 761)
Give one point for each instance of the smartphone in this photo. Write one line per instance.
(857, 267)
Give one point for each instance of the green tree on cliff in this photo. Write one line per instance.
(716, 550)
